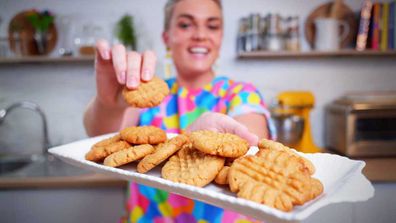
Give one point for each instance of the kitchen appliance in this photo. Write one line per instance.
(291, 117)
(362, 124)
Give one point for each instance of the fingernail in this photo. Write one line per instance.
(132, 82)
(146, 75)
(106, 55)
(123, 76)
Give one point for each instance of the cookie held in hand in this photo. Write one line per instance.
(148, 94)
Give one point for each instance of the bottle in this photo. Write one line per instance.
(254, 34)
(293, 35)
(241, 36)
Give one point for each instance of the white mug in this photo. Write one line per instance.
(328, 37)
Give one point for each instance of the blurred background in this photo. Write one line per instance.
(308, 55)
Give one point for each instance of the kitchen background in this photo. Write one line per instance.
(62, 88)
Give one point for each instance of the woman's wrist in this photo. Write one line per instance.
(116, 106)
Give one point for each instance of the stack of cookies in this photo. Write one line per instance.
(276, 176)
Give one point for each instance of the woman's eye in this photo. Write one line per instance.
(184, 25)
(214, 27)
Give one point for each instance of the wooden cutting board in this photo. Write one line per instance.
(345, 13)
(29, 46)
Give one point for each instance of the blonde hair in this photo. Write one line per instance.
(169, 7)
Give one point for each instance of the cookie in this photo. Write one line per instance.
(148, 94)
(162, 152)
(128, 155)
(102, 149)
(274, 179)
(220, 144)
(193, 167)
(222, 176)
(269, 144)
(108, 141)
(143, 135)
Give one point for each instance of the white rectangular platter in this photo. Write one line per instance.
(341, 177)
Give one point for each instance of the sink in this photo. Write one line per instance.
(37, 166)
(11, 164)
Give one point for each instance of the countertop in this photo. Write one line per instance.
(87, 180)
(378, 169)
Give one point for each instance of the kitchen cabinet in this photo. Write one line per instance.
(53, 191)
(62, 205)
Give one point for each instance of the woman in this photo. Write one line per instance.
(193, 32)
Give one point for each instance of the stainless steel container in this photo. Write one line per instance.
(289, 128)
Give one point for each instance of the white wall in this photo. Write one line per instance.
(327, 78)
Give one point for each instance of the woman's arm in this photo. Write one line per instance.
(99, 119)
(256, 123)
(116, 68)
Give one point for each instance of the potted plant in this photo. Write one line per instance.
(41, 22)
(125, 32)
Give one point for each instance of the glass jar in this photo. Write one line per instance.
(85, 42)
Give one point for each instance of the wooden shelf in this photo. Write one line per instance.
(46, 59)
(315, 54)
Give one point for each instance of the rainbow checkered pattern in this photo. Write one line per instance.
(178, 110)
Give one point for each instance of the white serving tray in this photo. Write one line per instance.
(341, 177)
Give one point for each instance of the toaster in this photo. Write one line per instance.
(362, 125)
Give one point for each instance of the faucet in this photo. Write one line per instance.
(33, 107)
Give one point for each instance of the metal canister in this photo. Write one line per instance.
(274, 38)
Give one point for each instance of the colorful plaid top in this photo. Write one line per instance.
(179, 109)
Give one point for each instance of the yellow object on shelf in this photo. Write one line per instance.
(299, 103)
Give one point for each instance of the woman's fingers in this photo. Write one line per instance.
(148, 66)
(230, 125)
(103, 48)
(134, 61)
(119, 62)
(130, 67)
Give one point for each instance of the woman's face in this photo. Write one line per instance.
(194, 36)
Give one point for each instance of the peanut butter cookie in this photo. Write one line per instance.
(128, 155)
(220, 144)
(143, 135)
(148, 94)
(162, 152)
(274, 179)
(193, 167)
(222, 176)
(272, 145)
(102, 149)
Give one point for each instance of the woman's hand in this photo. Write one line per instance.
(116, 67)
(222, 123)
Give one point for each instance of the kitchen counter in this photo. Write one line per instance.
(378, 169)
(50, 172)
(87, 180)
